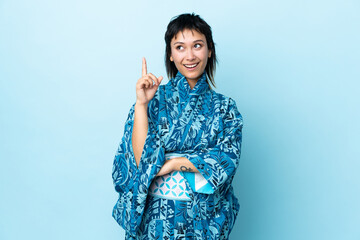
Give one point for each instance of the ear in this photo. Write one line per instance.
(171, 59)
(209, 55)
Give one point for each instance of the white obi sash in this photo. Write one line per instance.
(173, 186)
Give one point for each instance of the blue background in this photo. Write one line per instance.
(67, 81)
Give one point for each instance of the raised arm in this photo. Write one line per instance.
(132, 177)
(145, 91)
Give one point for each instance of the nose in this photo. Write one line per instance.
(190, 55)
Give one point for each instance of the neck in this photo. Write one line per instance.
(191, 83)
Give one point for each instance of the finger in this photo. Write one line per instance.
(149, 82)
(160, 79)
(152, 76)
(144, 83)
(145, 79)
(140, 83)
(144, 68)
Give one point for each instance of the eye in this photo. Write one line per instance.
(198, 44)
(179, 47)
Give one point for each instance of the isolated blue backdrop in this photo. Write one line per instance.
(67, 80)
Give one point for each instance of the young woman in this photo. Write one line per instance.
(181, 146)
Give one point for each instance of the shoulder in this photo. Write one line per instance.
(226, 107)
(216, 96)
(225, 103)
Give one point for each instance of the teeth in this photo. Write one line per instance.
(191, 66)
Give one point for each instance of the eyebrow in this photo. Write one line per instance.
(199, 40)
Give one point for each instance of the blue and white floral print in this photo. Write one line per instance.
(203, 126)
(170, 219)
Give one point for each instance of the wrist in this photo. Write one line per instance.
(141, 105)
(176, 163)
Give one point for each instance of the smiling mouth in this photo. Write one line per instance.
(191, 66)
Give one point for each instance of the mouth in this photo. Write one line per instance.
(191, 66)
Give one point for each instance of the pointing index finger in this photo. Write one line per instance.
(144, 70)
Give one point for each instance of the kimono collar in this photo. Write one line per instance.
(200, 87)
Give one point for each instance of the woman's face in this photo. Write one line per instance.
(190, 53)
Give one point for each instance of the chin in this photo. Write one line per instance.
(193, 75)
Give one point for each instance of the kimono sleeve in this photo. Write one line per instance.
(124, 166)
(131, 181)
(125, 171)
(219, 163)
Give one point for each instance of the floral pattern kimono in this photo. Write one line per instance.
(203, 126)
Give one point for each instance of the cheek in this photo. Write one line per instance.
(204, 55)
(177, 58)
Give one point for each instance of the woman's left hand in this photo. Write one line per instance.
(166, 168)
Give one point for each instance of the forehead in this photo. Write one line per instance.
(188, 35)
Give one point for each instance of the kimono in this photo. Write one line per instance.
(200, 124)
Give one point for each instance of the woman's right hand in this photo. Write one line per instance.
(145, 89)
